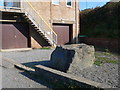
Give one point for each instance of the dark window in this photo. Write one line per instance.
(69, 3)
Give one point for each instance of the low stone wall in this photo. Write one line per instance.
(64, 80)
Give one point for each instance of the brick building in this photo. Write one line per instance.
(36, 24)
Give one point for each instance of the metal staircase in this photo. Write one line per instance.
(40, 25)
(34, 18)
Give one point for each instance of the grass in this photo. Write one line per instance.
(101, 60)
(105, 57)
(46, 48)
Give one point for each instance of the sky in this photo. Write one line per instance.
(84, 4)
(1, 2)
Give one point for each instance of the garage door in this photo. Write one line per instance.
(62, 34)
(14, 35)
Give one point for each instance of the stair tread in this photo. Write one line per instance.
(37, 29)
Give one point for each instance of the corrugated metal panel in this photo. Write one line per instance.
(63, 34)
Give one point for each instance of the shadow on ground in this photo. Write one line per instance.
(33, 76)
(37, 79)
(60, 60)
(33, 64)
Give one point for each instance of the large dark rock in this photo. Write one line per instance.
(69, 58)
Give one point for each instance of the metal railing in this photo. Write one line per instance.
(39, 22)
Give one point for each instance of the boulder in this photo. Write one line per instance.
(71, 58)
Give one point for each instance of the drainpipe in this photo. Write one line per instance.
(51, 12)
(76, 10)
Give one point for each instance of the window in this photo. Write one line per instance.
(69, 3)
(8, 3)
(12, 3)
(1, 3)
(56, 2)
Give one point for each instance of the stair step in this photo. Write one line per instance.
(39, 31)
(26, 18)
(33, 25)
(47, 40)
(30, 22)
(24, 15)
(44, 36)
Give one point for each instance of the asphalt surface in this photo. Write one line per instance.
(29, 56)
(15, 78)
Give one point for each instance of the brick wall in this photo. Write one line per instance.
(106, 43)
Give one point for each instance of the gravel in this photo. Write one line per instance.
(106, 73)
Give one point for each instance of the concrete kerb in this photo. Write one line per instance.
(18, 65)
(11, 50)
(47, 72)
